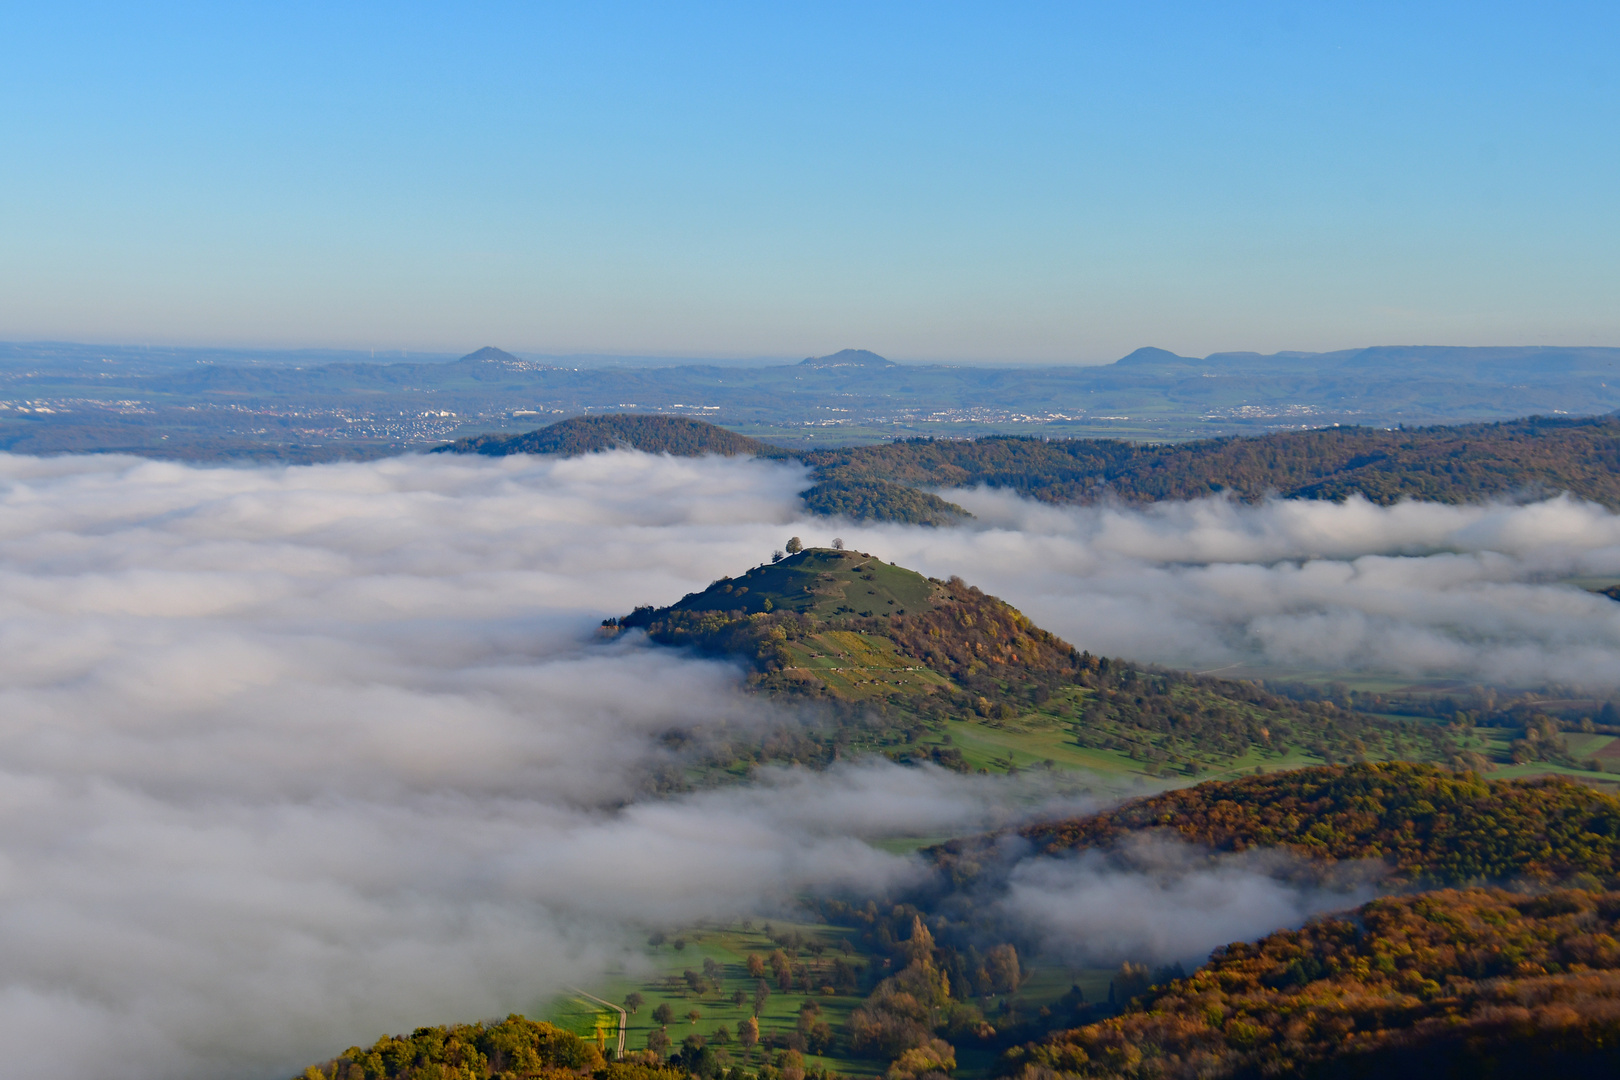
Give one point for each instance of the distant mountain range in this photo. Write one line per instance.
(1506, 361)
(200, 403)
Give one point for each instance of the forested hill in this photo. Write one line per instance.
(1514, 459)
(1429, 824)
(1468, 979)
(651, 433)
(1517, 459)
(921, 658)
(1453, 984)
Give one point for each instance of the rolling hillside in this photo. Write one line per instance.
(1453, 975)
(923, 669)
(1429, 825)
(1519, 459)
(1515, 459)
(1459, 983)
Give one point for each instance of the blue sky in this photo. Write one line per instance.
(1016, 182)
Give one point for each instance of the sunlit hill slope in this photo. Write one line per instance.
(921, 668)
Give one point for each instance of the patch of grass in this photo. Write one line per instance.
(821, 582)
(662, 982)
(860, 666)
(585, 1018)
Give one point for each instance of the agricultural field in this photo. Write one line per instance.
(723, 993)
(720, 990)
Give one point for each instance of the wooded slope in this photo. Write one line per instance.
(1431, 825)
(512, 1049)
(1514, 459)
(650, 433)
(939, 650)
(1456, 983)
(1518, 459)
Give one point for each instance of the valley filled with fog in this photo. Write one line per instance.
(292, 756)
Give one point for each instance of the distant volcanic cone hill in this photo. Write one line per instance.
(849, 628)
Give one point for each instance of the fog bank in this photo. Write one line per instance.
(1419, 590)
(290, 757)
(293, 757)
(1169, 902)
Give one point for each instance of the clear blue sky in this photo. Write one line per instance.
(994, 181)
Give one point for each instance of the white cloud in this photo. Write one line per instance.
(1419, 590)
(1165, 901)
(290, 757)
(293, 757)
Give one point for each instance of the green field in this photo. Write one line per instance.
(823, 583)
(729, 947)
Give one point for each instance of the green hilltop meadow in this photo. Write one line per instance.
(888, 661)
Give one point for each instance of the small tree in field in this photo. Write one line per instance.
(776, 556)
(748, 1033)
(633, 1002)
(794, 545)
(838, 543)
(663, 1014)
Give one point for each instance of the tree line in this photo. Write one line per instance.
(1532, 457)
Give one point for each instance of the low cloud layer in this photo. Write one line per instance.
(1168, 902)
(1417, 590)
(293, 757)
(290, 757)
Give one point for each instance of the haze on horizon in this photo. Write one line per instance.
(1045, 183)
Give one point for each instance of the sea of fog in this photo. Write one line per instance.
(292, 757)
